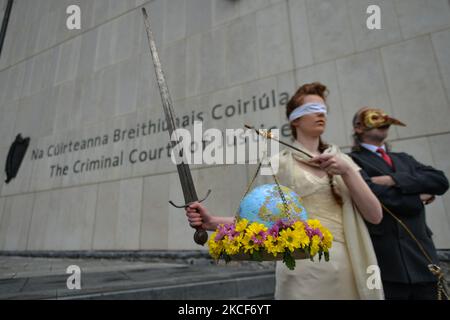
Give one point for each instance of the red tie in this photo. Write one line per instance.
(385, 156)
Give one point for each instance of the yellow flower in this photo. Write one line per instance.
(241, 225)
(248, 244)
(256, 228)
(253, 231)
(273, 246)
(253, 236)
(298, 225)
(232, 247)
(315, 245)
(304, 239)
(215, 248)
(290, 239)
(299, 228)
(327, 238)
(314, 223)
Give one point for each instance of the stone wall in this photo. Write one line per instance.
(59, 86)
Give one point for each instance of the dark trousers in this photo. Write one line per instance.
(416, 291)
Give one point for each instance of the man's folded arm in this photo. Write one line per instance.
(396, 201)
(423, 180)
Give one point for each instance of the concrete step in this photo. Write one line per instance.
(252, 286)
(118, 279)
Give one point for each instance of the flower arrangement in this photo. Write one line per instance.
(285, 240)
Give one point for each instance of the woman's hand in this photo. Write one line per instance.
(199, 216)
(362, 196)
(331, 164)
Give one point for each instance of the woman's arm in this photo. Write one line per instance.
(199, 216)
(365, 200)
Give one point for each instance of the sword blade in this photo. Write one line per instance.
(184, 172)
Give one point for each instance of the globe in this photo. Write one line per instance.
(265, 205)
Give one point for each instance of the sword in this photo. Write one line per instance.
(184, 172)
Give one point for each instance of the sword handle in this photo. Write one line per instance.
(200, 235)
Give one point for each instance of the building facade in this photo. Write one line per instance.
(97, 174)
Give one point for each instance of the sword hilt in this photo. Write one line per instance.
(200, 235)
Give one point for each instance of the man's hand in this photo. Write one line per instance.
(427, 198)
(383, 180)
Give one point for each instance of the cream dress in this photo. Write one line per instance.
(319, 280)
(336, 278)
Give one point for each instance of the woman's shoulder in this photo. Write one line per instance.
(282, 154)
(280, 160)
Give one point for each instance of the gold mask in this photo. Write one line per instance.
(375, 118)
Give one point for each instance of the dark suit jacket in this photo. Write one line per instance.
(399, 257)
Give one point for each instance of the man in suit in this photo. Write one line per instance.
(404, 186)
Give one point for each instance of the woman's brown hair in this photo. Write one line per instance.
(318, 89)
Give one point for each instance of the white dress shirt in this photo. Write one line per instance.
(373, 148)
